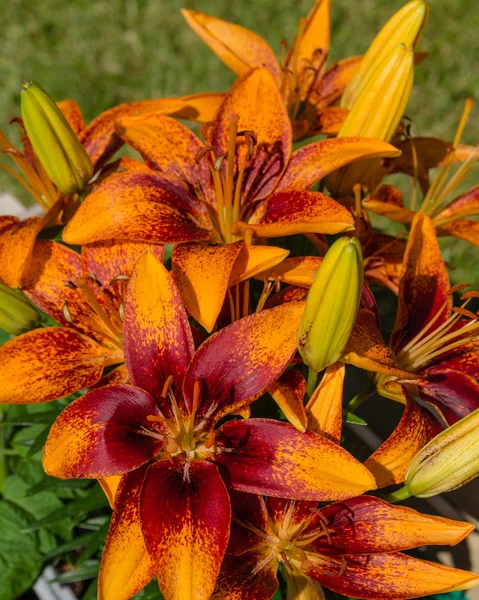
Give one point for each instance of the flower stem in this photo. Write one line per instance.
(360, 398)
(312, 378)
(398, 495)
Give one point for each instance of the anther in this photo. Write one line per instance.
(66, 313)
(471, 294)
(94, 278)
(211, 439)
(166, 386)
(120, 277)
(219, 162)
(458, 288)
(464, 312)
(205, 128)
(12, 151)
(121, 311)
(71, 285)
(206, 150)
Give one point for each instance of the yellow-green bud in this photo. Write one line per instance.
(17, 314)
(54, 141)
(448, 461)
(404, 27)
(332, 305)
(378, 109)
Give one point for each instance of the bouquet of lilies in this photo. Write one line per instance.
(202, 303)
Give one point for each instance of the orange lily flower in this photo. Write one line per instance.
(448, 216)
(352, 548)
(308, 90)
(101, 142)
(85, 295)
(433, 340)
(174, 450)
(245, 178)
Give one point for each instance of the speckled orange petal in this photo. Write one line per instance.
(72, 113)
(247, 576)
(429, 151)
(235, 365)
(16, 245)
(268, 121)
(202, 273)
(273, 458)
(167, 146)
(157, 337)
(199, 107)
(314, 41)
(392, 211)
(110, 486)
(187, 532)
(325, 407)
(253, 260)
(291, 293)
(100, 138)
(311, 163)
(49, 363)
(369, 525)
(116, 376)
(331, 86)
(52, 266)
(140, 207)
(240, 49)
(394, 576)
(424, 286)
(103, 433)
(299, 271)
(290, 212)
(463, 229)
(126, 566)
(366, 349)
(389, 462)
(466, 205)
(329, 120)
(248, 517)
(288, 393)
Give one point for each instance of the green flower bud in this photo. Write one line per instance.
(17, 314)
(332, 305)
(447, 462)
(54, 141)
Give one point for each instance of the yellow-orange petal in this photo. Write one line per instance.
(72, 113)
(46, 364)
(240, 49)
(463, 229)
(389, 462)
(16, 244)
(253, 260)
(199, 107)
(329, 120)
(126, 566)
(311, 163)
(110, 486)
(288, 393)
(299, 271)
(325, 407)
(202, 273)
(331, 86)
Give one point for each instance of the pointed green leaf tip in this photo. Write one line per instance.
(59, 150)
(332, 305)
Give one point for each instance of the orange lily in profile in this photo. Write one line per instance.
(448, 216)
(309, 91)
(85, 295)
(161, 434)
(353, 548)
(101, 142)
(431, 339)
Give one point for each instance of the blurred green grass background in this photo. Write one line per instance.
(105, 52)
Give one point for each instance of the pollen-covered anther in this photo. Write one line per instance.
(203, 152)
(66, 312)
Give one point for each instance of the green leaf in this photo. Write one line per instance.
(349, 417)
(87, 571)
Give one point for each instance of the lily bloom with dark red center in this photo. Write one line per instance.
(438, 343)
(85, 295)
(172, 509)
(351, 547)
(307, 88)
(244, 182)
(100, 140)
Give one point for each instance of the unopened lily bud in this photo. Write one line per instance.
(404, 27)
(448, 461)
(332, 305)
(17, 314)
(54, 141)
(378, 109)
